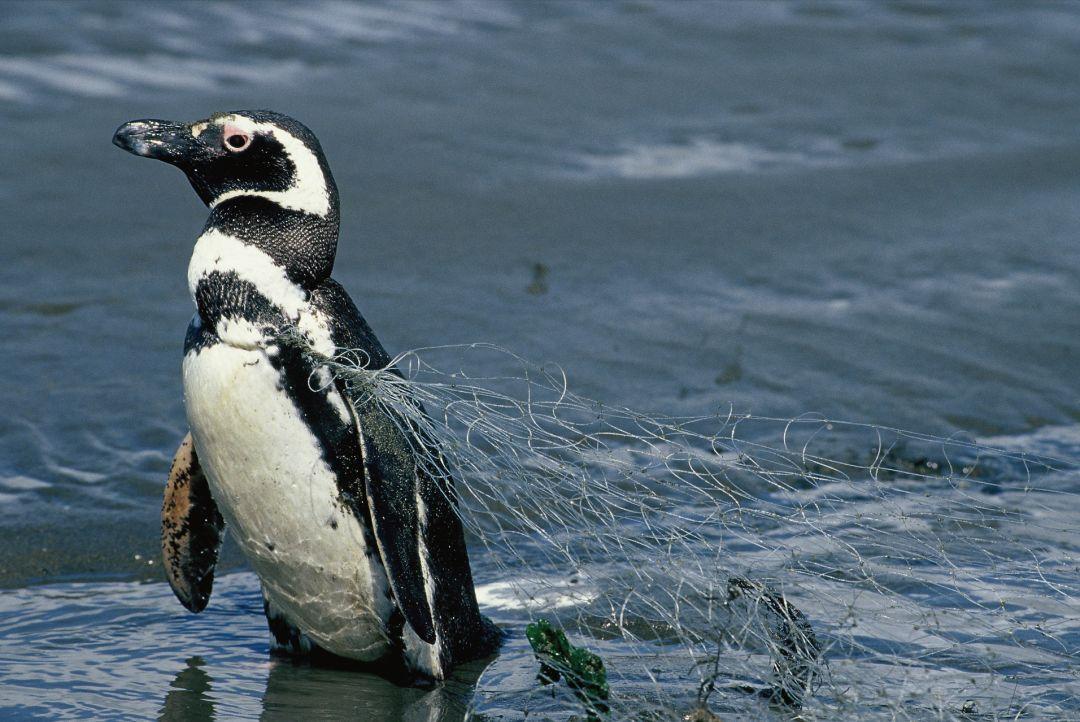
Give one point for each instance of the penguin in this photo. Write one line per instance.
(358, 548)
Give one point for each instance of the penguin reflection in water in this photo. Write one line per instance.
(360, 553)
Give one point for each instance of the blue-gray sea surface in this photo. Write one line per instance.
(868, 211)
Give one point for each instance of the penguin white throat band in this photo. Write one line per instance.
(218, 251)
(308, 191)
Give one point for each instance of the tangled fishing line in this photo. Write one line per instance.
(737, 565)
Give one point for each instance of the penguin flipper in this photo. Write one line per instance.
(390, 485)
(191, 530)
(395, 488)
(414, 516)
(465, 633)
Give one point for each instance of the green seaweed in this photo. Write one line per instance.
(583, 670)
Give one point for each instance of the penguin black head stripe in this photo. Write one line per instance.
(254, 153)
(359, 550)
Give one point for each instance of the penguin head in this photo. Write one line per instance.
(241, 153)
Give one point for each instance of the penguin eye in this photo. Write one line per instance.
(236, 142)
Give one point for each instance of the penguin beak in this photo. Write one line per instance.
(160, 139)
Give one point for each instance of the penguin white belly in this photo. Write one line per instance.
(280, 501)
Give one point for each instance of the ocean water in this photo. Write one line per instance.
(869, 211)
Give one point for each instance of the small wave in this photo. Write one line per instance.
(1056, 441)
(377, 23)
(12, 92)
(22, 483)
(56, 75)
(700, 156)
(102, 75)
(212, 46)
(80, 475)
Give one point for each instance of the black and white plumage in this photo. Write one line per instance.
(360, 553)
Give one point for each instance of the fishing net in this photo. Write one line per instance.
(742, 566)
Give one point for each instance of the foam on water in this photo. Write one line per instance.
(550, 593)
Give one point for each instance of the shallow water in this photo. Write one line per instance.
(863, 210)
